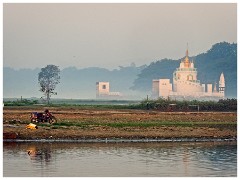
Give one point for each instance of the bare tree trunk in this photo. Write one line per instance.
(48, 97)
(48, 92)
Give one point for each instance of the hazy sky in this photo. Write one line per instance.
(109, 35)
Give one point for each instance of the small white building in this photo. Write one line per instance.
(103, 91)
(161, 88)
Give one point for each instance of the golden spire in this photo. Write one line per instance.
(187, 51)
(186, 60)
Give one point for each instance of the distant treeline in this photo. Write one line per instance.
(194, 105)
(22, 102)
(146, 104)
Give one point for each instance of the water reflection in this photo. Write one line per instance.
(120, 159)
(185, 158)
(39, 154)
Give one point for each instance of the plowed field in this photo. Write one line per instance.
(78, 123)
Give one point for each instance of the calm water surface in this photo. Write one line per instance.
(120, 159)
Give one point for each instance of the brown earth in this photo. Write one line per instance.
(208, 124)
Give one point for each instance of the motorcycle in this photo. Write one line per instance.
(42, 117)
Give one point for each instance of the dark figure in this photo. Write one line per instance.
(148, 106)
(48, 115)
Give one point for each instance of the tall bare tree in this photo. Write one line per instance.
(48, 78)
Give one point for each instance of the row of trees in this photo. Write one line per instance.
(194, 105)
(159, 105)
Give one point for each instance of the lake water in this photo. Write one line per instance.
(163, 159)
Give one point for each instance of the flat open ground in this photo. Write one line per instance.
(79, 123)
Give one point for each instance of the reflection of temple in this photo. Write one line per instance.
(186, 161)
(186, 85)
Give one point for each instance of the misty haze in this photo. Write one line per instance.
(123, 44)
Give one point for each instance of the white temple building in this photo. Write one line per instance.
(186, 85)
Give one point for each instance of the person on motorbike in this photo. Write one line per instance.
(47, 114)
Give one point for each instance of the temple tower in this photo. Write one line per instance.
(185, 78)
(222, 85)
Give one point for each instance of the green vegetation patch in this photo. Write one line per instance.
(176, 124)
(144, 124)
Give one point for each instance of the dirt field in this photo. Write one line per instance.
(76, 123)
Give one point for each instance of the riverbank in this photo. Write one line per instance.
(80, 124)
